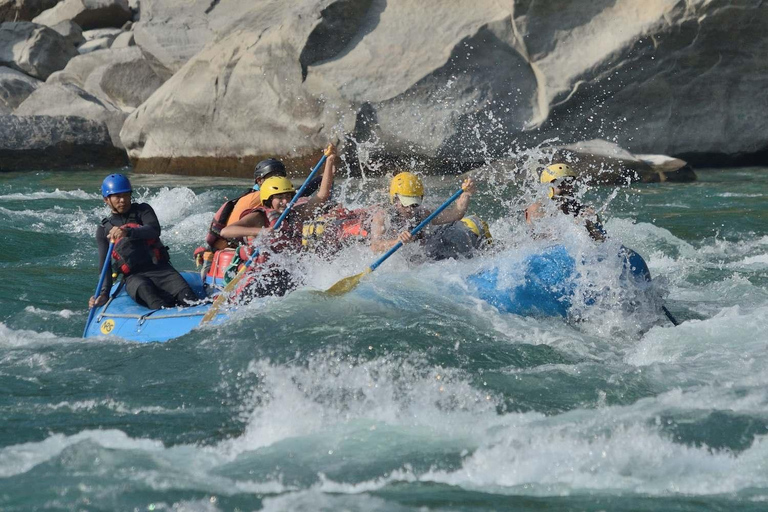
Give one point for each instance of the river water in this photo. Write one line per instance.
(406, 394)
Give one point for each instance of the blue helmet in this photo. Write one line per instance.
(115, 184)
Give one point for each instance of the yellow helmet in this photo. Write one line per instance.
(273, 186)
(408, 187)
(557, 171)
(478, 227)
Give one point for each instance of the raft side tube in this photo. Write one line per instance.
(122, 317)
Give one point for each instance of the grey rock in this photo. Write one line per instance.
(70, 100)
(23, 10)
(685, 84)
(43, 142)
(452, 83)
(124, 40)
(119, 76)
(79, 68)
(89, 14)
(102, 43)
(36, 50)
(100, 33)
(667, 168)
(15, 87)
(253, 67)
(173, 31)
(603, 162)
(126, 84)
(71, 32)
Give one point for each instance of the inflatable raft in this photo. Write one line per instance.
(545, 284)
(122, 317)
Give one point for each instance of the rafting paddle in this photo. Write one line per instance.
(669, 315)
(349, 283)
(102, 277)
(222, 297)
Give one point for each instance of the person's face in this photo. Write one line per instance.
(404, 210)
(119, 203)
(261, 180)
(280, 201)
(563, 187)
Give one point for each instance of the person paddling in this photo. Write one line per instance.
(394, 222)
(233, 210)
(138, 254)
(276, 192)
(460, 239)
(561, 179)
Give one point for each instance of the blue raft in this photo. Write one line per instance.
(122, 317)
(546, 283)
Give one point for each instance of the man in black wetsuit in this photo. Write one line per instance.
(138, 254)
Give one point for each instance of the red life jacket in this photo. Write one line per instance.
(288, 237)
(132, 255)
(330, 232)
(219, 222)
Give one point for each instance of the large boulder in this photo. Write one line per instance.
(100, 33)
(451, 83)
(173, 31)
(70, 100)
(121, 77)
(79, 68)
(23, 10)
(127, 84)
(605, 162)
(36, 50)
(15, 87)
(102, 43)
(124, 40)
(685, 85)
(71, 31)
(261, 106)
(42, 142)
(89, 14)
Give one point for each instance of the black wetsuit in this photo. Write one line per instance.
(157, 285)
(453, 240)
(572, 206)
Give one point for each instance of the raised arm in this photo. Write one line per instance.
(324, 192)
(458, 211)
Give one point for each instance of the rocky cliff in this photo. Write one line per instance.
(446, 84)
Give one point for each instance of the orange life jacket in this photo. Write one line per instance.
(231, 211)
(331, 231)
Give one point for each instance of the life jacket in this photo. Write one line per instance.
(287, 238)
(224, 216)
(340, 227)
(397, 223)
(130, 255)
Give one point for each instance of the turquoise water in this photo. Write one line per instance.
(407, 394)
